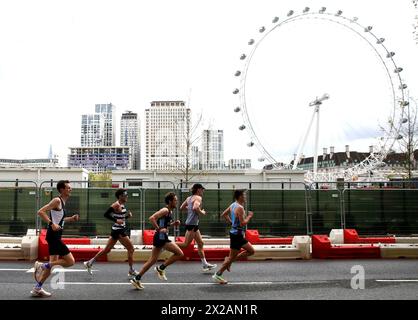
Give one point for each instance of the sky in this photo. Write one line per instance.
(59, 58)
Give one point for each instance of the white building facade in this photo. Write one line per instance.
(167, 129)
(92, 130)
(212, 150)
(109, 132)
(239, 164)
(130, 136)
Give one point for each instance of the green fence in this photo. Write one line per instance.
(280, 209)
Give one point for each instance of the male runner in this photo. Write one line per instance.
(59, 255)
(193, 206)
(238, 221)
(161, 220)
(117, 213)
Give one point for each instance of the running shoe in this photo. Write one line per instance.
(137, 284)
(209, 267)
(160, 273)
(132, 273)
(219, 279)
(88, 267)
(37, 270)
(40, 293)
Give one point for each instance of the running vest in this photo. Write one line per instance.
(236, 227)
(119, 216)
(164, 222)
(57, 216)
(192, 217)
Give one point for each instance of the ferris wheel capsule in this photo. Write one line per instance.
(403, 86)
(251, 42)
(404, 120)
(380, 40)
(355, 19)
(306, 10)
(275, 19)
(290, 13)
(398, 70)
(262, 29)
(404, 103)
(250, 144)
(237, 73)
(243, 56)
(368, 29)
(390, 54)
(241, 127)
(237, 109)
(235, 91)
(322, 10)
(339, 12)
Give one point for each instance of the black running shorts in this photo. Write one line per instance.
(55, 245)
(192, 227)
(237, 241)
(119, 233)
(160, 239)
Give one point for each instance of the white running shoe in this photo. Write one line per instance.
(132, 273)
(209, 267)
(88, 267)
(219, 279)
(37, 270)
(40, 293)
(160, 273)
(137, 284)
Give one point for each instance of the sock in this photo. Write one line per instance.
(205, 263)
(38, 285)
(46, 266)
(138, 277)
(131, 269)
(162, 267)
(91, 261)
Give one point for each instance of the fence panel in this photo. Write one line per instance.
(18, 207)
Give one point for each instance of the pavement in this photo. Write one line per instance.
(255, 280)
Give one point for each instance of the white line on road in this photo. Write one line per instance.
(400, 280)
(55, 270)
(14, 270)
(162, 283)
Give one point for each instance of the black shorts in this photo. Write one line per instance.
(160, 239)
(191, 227)
(55, 245)
(237, 241)
(120, 233)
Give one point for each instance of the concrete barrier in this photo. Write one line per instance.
(30, 245)
(396, 251)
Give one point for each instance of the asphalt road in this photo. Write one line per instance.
(267, 280)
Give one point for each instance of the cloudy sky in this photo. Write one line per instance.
(59, 58)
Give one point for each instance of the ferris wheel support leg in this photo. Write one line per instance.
(315, 169)
(295, 164)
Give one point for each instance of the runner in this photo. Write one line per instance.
(161, 220)
(59, 255)
(238, 221)
(193, 206)
(117, 213)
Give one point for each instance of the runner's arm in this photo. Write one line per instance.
(153, 219)
(240, 214)
(196, 206)
(183, 205)
(226, 216)
(53, 204)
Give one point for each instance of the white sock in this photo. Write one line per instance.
(205, 263)
(91, 261)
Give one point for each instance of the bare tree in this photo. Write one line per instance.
(409, 141)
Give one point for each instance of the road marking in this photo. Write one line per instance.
(55, 270)
(14, 270)
(162, 283)
(400, 280)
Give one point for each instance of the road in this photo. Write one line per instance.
(266, 280)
